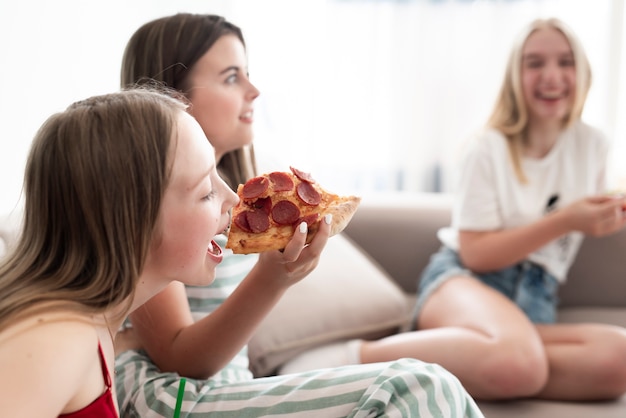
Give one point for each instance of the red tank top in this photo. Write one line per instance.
(103, 406)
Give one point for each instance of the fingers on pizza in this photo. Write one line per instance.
(272, 205)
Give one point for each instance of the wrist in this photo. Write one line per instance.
(269, 276)
(561, 222)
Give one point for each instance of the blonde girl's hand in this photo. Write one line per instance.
(598, 216)
(297, 260)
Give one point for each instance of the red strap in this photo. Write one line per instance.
(105, 370)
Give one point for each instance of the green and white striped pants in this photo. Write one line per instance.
(403, 388)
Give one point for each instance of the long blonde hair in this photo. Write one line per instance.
(510, 115)
(164, 50)
(93, 185)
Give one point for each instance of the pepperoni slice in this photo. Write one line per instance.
(282, 181)
(307, 193)
(285, 212)
(263, 203)
(302, 175)
(241, 220)
(255, 187)
(258, 220)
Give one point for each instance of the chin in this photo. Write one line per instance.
(203, 277)
(248, 141)
(238, 146)
(551, 114)
(246, 137)
(208, 280)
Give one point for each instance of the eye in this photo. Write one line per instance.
(534, 63)
(210, 196)
(566, 62)
(231, 79)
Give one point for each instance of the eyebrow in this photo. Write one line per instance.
(534, 55)
(231, 68)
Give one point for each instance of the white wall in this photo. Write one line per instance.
(358, 92)
(54, 53)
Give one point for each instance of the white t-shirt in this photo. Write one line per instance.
(490, 197)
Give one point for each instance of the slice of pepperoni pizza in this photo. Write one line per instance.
(273, 205)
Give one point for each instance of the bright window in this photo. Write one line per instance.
(367, 95)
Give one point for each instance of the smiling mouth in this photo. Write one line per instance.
(551, 96)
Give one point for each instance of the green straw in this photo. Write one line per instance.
(179, 399)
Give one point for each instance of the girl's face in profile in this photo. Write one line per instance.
(193, 211)
(548, 76)
(222, 96)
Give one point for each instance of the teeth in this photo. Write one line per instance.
(247, 115)
(551, 95)
(214, 249)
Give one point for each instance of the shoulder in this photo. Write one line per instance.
(60, 329)
(586, 132)
(586, 140)
(57, 348)
(486, 144)
(485, 140)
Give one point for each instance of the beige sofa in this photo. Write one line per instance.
(365, 285)
(349, 294)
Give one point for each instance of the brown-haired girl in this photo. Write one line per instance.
(122, 196)
(201, 332)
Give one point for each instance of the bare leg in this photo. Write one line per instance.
(587, 361)
(478, 335)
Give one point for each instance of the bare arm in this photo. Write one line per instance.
(494, 250)
(199, 350)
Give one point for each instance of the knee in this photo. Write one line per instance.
(420, 385)
(609, 369)
(422, 379)
(423, 373)
(515, 372)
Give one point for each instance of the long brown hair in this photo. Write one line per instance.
(164, 50)
(93, 186)
(510, 115)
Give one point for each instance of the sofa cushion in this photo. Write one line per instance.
(536, 408)
(346, 296)
(599, 314)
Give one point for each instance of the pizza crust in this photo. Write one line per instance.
(342, 213)
(342, 210)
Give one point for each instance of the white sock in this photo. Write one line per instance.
(331, 355)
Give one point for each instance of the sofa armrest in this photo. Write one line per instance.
(398, 230)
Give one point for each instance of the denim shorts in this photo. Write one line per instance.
(526, 284)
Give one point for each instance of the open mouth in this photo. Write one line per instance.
(214, 248)
(551, 96)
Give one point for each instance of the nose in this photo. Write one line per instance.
(551, 72)
(230, 199)
(253, 92)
